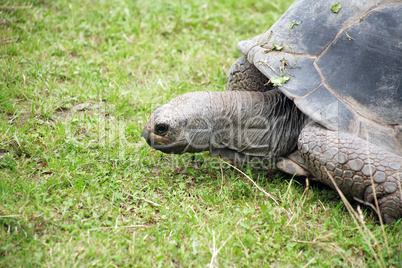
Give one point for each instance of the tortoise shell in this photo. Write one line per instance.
(344, 69)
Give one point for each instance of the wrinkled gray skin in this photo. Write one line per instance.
(234, 124)
(333, 121)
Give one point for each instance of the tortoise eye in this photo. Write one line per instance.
(161, 129)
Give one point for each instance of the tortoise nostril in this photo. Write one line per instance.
(161, 129)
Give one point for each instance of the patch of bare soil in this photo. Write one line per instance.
(91, 109)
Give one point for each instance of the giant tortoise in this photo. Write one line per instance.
(319, 94)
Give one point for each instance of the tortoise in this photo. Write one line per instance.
(318, 94)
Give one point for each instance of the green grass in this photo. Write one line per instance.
(80, 187)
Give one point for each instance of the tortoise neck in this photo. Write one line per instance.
(254, 124)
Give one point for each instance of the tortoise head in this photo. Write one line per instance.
(183, 125)
(229, 124)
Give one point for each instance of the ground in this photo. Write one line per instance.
(80, 187)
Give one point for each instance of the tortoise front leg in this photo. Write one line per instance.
(244, 76)
(359, 168)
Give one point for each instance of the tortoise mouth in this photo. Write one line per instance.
(163, 143)
(173, 148)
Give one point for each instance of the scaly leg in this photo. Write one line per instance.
(244, 76)
(359, 168)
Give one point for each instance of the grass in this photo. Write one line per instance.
(80, 187)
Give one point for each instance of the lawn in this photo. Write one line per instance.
(79, 186)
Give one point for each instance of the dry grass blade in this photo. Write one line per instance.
(15, 7)
(255, 184)
(215, 250)
(309, 262)
(377, 210)
(146, 200)
(305, 189)
(118, 227)
(356, 219)
(220, 165)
